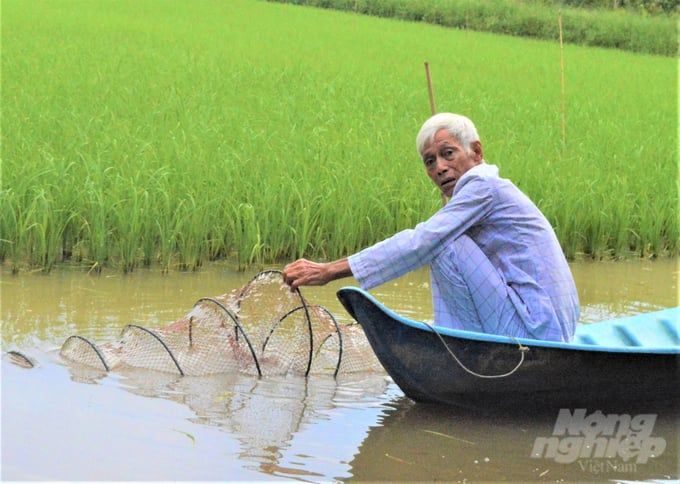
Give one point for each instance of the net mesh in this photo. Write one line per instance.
(263, 328)
(81, 350)
(262, 302)
(357, 355)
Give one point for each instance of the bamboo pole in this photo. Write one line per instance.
(430, 91)
(562, 95)
(433, 107)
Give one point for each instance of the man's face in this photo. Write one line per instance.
(446, 160)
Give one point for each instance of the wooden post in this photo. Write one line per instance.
(562, 96)
(433, 107)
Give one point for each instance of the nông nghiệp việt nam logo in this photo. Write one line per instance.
(580, 436)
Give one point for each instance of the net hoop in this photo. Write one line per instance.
(94, 347)
(311, 333)
(234, 318)
(237, 326)
(158, 338)
(303, 303)
(337, 329)
(22, 357)
(247, 287)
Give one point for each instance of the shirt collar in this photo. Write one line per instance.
(483, 170)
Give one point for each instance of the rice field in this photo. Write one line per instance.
(146, 133)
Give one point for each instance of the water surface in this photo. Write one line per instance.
(60, 422)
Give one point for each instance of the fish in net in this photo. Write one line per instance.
(263, 328)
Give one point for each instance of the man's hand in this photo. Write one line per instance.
(304, 272)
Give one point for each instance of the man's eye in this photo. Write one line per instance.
(448, 153)
(429, 161)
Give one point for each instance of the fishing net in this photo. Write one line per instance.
(19, 359)
(263, 328)
(81, 350)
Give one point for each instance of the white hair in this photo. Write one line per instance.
(456, 125)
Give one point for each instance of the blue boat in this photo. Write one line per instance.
(609, 364)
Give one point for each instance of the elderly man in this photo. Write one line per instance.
(496, 265)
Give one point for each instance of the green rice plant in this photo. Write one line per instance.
(9, 224)
(15, 231)
(248, 239)
(193, 227)
(97, 230)
(139, 135)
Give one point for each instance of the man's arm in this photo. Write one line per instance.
(304, 272)
(404, 251)
(413, 248)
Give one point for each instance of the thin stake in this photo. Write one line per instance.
(563, 104)
(433, 107)
(430, 91)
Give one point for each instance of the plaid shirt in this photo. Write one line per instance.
(510, 231)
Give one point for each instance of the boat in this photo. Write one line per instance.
(610, 364)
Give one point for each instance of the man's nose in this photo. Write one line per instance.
(441, 166)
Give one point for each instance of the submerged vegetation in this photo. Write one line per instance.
(137, 133)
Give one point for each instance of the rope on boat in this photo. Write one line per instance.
(522, 349)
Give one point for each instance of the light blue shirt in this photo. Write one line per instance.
(513, 234)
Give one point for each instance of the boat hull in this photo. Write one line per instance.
(549, 376)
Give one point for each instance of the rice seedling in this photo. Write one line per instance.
(139, 133)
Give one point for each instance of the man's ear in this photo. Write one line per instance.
(478, 153)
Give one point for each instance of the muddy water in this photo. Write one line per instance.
(64, 423)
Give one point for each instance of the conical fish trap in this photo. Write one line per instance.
(262, 329)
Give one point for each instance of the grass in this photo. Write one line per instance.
(143, 133)
(629, 29)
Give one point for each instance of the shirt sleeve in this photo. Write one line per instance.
(412, 248)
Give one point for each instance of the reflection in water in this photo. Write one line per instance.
(264, 414)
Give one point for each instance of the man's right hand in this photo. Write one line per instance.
(304, 272)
